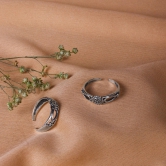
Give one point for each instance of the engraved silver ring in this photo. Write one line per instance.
(54, 113)
(99, 100)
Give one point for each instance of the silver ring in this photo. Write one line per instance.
(101, 99)
(52, 119)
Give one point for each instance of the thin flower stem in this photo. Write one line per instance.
(5, 92)
(30, 69)
(9, 83)
(50, 76)
(26, 86)
(39, 62)
(7, 60)
(14, 92)
(30, 74)
(17, 83)
(8, 70)
(8, 63)
(2, 72)
(33, 57)
(34, 70)
(11, 86)
(2, 86)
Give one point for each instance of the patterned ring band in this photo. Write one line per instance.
(52, 119)
(101, 99)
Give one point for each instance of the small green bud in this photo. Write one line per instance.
(28, 83)
(39, 81)
(10, 106)
(29, 90)
(34, 78)
(22, 69)
(24, 94)
(67, 53)
(17, 100)
(25, 80)
(42, 87)
(61, 75)
(20, 91)
(62, 52)
(47, 86)
(75, 50)
(43, 73)
(61, 47)
(65, 76)
(5, 77)
(58, 57)
(34, 84)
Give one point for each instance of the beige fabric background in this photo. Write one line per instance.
(122, 40)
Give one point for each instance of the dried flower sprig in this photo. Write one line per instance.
(27, 86)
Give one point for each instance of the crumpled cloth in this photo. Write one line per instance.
(121, 40)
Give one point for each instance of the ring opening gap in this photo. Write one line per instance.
(42, 115)
(101, 88)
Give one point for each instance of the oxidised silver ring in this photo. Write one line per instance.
(54, 113)
(101, 99)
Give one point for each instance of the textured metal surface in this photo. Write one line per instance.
(101, 99)
(52, 119)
